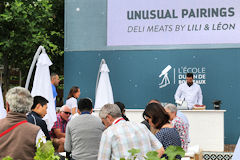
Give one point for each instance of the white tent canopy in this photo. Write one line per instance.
(104, 94)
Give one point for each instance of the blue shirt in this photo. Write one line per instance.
(54, 93)
(168, 136)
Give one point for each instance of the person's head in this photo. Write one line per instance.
(74, 92)
(40, 105)
(108, 113)
(19, 100)
(55, 79)
(171, 109)
(85, 105)
(189, 78)
(156, 115)
(65, 112)
(121, 106)
(154, 101)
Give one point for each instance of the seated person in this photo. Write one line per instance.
(158, 118)
(83, 133)
(58, 130)
(153, 130)
(121, 136)
(78, 111)
(122, 108)
(179, 124)
(18, 138)
(39, 110)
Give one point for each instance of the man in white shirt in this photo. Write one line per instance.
(190, 92)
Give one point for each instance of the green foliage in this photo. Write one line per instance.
(24, 25)
(153, 155)
(27, 24)
(171, 153)
(134, 153)
(7, 158)
(61, 84)
(45, 151)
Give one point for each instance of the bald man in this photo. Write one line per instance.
(58, 130)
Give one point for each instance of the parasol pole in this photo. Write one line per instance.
(40, 48)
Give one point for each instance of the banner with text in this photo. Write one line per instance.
(162, 22)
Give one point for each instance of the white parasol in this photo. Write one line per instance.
(42, 86)
(104, 94)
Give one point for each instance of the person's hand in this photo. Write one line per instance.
(160, 152)
(62, 140)
(59, 140)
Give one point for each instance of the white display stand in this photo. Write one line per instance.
(206, 127)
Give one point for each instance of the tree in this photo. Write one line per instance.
(24, 26)
(57, 36)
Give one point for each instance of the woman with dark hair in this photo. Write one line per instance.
(73, 95)
(158, 118)
(122, 108)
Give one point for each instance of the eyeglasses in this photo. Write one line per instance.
(146, 117)
(67, 112)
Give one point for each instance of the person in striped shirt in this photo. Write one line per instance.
(121, 136)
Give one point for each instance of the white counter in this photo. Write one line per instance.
(206, 127)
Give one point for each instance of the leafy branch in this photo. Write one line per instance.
(45, 151)
(171, 152)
